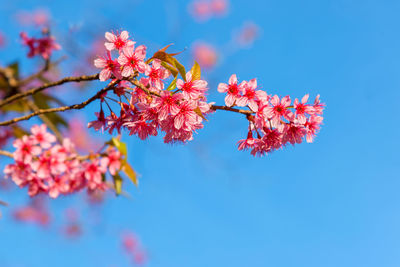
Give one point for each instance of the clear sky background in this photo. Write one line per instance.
(332, 203)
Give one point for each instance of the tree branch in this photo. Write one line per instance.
(6, 153)
(213, 107)
(242, 111)
(48, 85)
(61, 109)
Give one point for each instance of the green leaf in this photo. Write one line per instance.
(121, 146)
(179, 67)
(169, 58)
(128, 170)
(172, 85)
(18, 132)
(117, 184)
(17, 106)
(171, 69)
(198, 112)
(196, 72)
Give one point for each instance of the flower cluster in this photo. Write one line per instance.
(150, 106)
(45, 166)
(43, 46)
(273, 121)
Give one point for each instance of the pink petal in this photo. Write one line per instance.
(233, 79)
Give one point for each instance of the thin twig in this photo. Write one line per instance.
(46, 67)
(242, 111)
(61, 109)
(48, 85)
(6, 153)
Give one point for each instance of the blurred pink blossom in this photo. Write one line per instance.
(200, 10)
(205, 54)
(219, 7)
(3, 40)
(203, 10)
(35, 212)
(38, 17)
(248, 33)
(133, 248)
(73, 228)
(80, 137)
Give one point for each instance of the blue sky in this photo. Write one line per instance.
(331, 203)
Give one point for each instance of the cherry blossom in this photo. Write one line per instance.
(131, 60)
(40, 46)
(54, 168)
(233, 90)
(41, 136)
(118, 41)
(108, 66)
(156, 74)
(191, 89)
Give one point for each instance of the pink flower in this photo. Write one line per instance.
(157, 74)
(100, 123)
(108, 66)
(141, 128)
(58, 186)
(249, 95)
(278, 109)
(233, 90)
(192, 89)
(41, 136)
(318, 106)
(302, 109)
(118, 41)
(19, 172)
(313, 126)
(30, 43)
(272, 138)
(114, 161)
(43, 46)
(167, 104)
(293, 133)
(46, 45)
(186, 117)
(247, 143)
(93, 172)
(26, 149)
(132, 59)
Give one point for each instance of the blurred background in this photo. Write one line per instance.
(335, 202)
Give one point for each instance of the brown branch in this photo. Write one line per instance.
(61, 109)
(48, 85)
(6, 153)
(242, 111)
